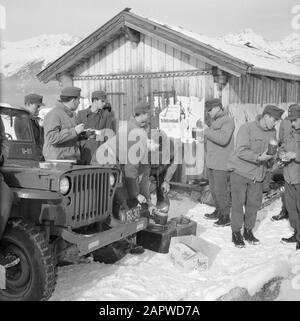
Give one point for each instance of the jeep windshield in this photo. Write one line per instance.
(16, 125)
(19, 135)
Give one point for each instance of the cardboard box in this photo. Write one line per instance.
(192, 253)
(187, 258)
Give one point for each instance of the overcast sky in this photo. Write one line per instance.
(30, 18)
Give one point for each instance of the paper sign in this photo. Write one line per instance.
(169, 121)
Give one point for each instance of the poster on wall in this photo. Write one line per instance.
(178, 122)
(169, 121)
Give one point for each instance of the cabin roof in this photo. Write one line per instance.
(235, 59)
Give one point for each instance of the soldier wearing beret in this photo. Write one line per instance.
(290, 155)
(32, 104)
(248, 164)
(97, 118)
(62, 133)
(219, 144)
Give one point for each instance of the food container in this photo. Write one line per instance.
(272, 147)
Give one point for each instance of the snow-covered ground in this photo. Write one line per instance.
(152, 276)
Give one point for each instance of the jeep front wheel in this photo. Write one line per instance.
(33, 278)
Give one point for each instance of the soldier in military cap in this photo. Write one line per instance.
(136, 174)
(62, 133)
(32, 104)
(248, 165)
(97, 118)
(290, 155)
(284, 129)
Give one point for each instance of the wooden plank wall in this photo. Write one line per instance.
(249, 89)
(247, 96)
(150, 55)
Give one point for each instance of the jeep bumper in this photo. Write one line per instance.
(90, 243)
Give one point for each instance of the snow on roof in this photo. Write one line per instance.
(257, 58)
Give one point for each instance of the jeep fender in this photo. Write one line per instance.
(35, 194)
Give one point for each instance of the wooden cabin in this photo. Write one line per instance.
(134, 58)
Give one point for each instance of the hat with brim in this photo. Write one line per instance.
(210, 104)
(142, 108)
(99, 94)
(34, 99)
(273, 111)
(71, 92)
(294, 114)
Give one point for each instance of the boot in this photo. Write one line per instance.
(237, 239)
(215, 215)
(136, 249)
(289, 240)
(249, 237)
(223, 221)
(281, 216)
(8, 260)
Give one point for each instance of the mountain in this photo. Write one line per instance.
(22, 60)
(251, 39)
(288, 48)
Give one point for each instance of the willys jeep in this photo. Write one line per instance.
(57, 206)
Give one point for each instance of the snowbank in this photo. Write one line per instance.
(152, 276)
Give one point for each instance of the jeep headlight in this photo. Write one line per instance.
(112, 180)
(64, 185)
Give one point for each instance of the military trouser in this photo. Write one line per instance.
(244, 193)
(220, 191)
(284, 207)
(292, 199)
(6, 199)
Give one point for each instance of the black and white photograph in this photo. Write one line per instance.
(149, 152)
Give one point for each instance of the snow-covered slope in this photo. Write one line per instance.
(18, 56)
(22, 60)
(289, 47)
(252, 40)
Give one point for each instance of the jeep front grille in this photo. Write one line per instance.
(89, 197)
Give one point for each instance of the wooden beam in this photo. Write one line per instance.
(132, 35)
(141, 75)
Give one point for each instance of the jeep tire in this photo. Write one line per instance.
(33, 278)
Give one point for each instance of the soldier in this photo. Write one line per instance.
(97, 118)
(62, 134)
(219, 143)
(33, 102)
(291, 156)
(112, 117)
(133, 162)
(285, 127)
(163, 168)
(137, 171)
(6, 199)
(135, 167)
(248, 166)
